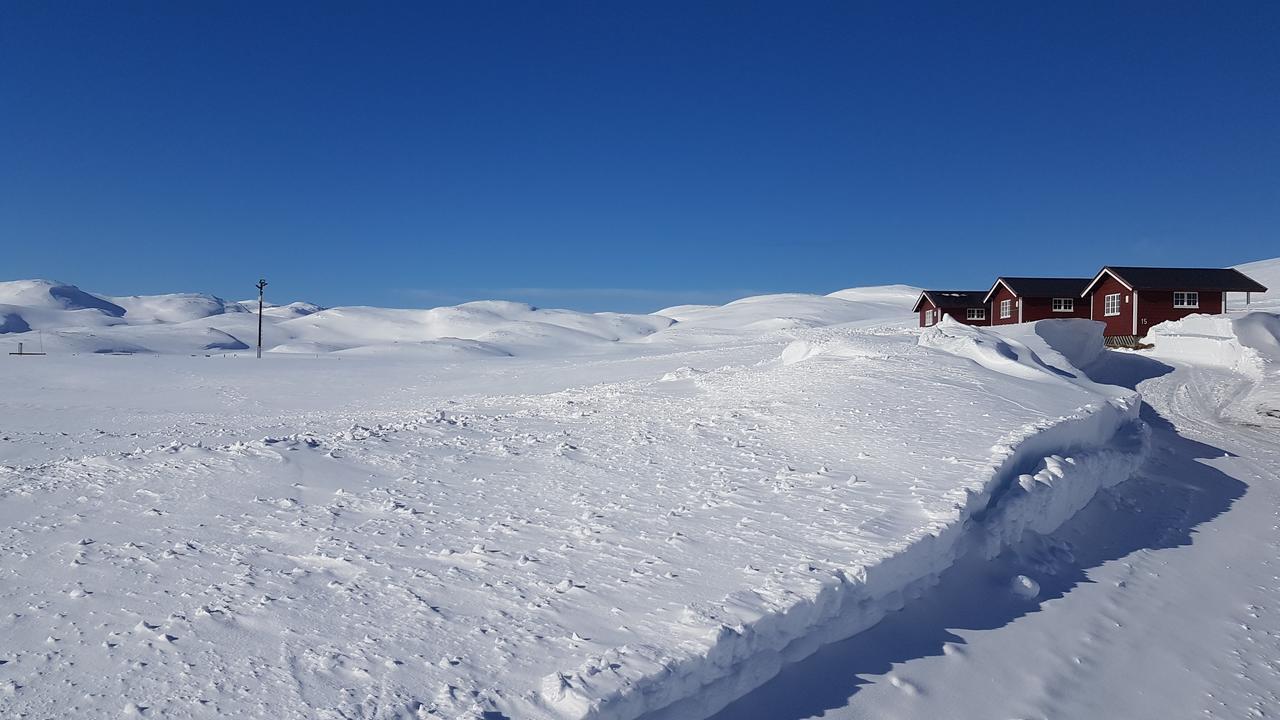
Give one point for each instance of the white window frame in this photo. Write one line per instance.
(976, 314)
(1190, 300)
(1064, 304)
(1108, 309)
(1006, 309)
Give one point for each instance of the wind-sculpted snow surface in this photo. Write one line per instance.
(652, 538)
(1243, 343)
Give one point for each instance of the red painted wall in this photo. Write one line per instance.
(1042, 309)
(1121, 324)
(1156, 306)
(1002, 293)
(925, 307)
(1033, 308)
(958, 314)
(961, 315)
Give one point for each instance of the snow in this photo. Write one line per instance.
(1209, 339)
(795, 310)
(50, 295)
(173, 308)
(1247, 344)
(1266, 272)
(1157, 599)
(496, 510)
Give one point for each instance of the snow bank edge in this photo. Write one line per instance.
(1037, 481)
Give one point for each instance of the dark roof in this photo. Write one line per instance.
(1208, 279)
(1041, 287)
(952, 299)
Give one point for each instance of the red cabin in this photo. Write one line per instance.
(1026, 299)
(964, 306)
(1132, 299)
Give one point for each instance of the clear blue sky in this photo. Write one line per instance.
(609, 155)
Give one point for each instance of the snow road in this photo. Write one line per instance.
(1161, 599)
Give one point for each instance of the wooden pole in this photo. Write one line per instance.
(261, 284)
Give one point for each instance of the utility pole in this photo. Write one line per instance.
(261, 284)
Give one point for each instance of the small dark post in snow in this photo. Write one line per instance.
(261, 284)
(21, 351)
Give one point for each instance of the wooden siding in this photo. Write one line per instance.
(1156, 306)
(1031, 309)
(926, 306)
(960, 315)
(1121, 324)
(1041, 308)
(1003, 293)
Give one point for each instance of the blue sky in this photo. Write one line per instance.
(608, 155)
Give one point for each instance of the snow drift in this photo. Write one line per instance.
(706, 493)
(1036, 479)
(654, 537)
(1247, 344)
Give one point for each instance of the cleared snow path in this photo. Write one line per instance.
(1161, 599)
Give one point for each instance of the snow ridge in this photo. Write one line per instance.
(1038, 478)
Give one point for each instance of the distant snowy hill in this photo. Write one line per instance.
(1266, 272)
(62, 318)
(796, 310)
(173, 308)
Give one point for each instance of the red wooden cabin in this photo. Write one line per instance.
(1129, 300)
(964, 306)
(1026, 299)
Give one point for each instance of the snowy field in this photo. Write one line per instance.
(499, 511)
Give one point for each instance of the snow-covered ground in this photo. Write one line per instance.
(1160, 599)
(499, 511)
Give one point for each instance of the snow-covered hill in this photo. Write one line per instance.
(61, 318)
(1266, 272)
(172, 308)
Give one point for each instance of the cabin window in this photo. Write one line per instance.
(1111, 304)
(1006, 308)
(1064, 304)
(976, 313)
(1186, 299)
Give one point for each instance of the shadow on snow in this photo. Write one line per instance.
(1159, 508)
